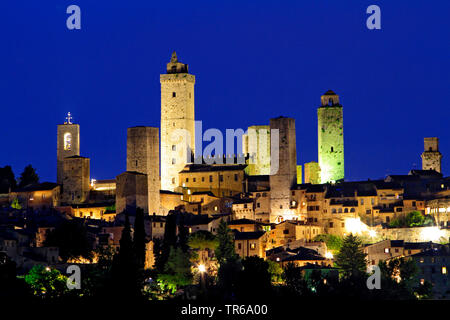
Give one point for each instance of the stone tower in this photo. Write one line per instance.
(331, 138)
(285, 178)
(76, 180)
(431, 157)
(68, 144)
(131, 191)
(143, 157)
(177, 121)
(312, 172)
(256, 144)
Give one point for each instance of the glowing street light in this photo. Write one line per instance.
(202, 268)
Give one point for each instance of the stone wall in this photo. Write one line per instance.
(76, 183)
(131, 192)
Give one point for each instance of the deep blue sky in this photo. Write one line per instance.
(253, 60)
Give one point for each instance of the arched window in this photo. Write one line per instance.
(67, 141)
(330, 102)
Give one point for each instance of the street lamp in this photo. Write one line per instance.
(202, 270)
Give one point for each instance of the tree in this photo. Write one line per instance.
(177, 271)
(294, 280)
(351, 259)
(46, 282)
(72, 240)
(139, 238)
(225, 250)
(254, 280)
(15, 204)
(7, 179)
(334, 243)
(169, 240)
(276, 271)
(124, 268)
(28, 176)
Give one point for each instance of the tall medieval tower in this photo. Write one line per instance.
(143, 157)
(68, 145)
(331, 138)
(431, 157)
(285, 178)
(177, 121)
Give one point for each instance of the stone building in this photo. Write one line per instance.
(131, 191)
(223, 180)
(431, 157)
(41, 196)
(177, 121)
(256, 144)
(143, 157)
(76, 173)
(285, 178)
(68, 144)
(312, 172)
(331, 138)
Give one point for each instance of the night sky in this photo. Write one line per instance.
(253, 60)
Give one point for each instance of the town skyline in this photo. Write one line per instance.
(106, 97)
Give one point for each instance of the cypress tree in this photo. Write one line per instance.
(139, 238)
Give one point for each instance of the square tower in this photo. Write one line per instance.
(331, 138)
(431, 157)
(143, 157)
(76, 174)
(131, 191)
(177, 122)
(256, 144)
(68, 144)
(285, 178)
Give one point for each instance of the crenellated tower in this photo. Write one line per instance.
(330, 138)
(177, 121)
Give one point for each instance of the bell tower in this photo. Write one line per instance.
(68, 144)
(177, 121)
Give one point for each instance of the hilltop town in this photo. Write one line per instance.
(272, 207)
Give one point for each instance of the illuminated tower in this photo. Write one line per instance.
(177, 121)
(431, 157)
(331, 138)
(68, 145)
(285, 178)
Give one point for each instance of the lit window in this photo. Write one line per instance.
(174, 148)
(253, 246)
(67, 141)
(444, 270)
(386, 250)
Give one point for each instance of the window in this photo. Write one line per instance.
(253, 246)
(444, 270)
(67, 141)
(388, 219)
(220, 178)
(258, 205)
(173, 180)
(174, 147)
(236, 177)
(174, 94)
(136, 163)
(193, 179)
(210, 178)
(331, 224)
(174, 161)
(332, 149)
(386, 250)
(203, 179)
(368, 211)
(187, 179)
(286, 231)
(239, 246)
(362, 202)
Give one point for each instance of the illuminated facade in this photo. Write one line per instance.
(177, 121)
(431, 157)
(68, 144)
(256, 144)
(331, 138)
